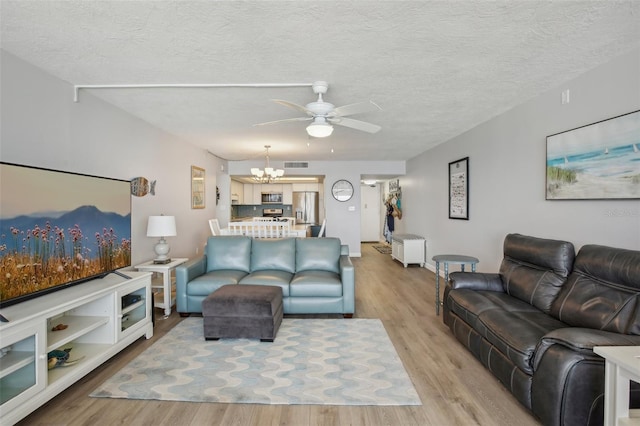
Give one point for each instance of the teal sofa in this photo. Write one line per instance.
(316, 274)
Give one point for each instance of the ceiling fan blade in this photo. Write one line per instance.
(355, 124)
(292, 105)
(357, 108)
(285, 120)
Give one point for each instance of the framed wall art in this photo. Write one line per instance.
(597, 161)
(197, 187)
(459, 189)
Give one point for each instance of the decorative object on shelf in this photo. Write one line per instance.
(459, 189)
(342, 190)
(197, 187)
(60, 358)
(59, 327)
(161, 226)
(595, 162)
(269, 174)
(141, 186)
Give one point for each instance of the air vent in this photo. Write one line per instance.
(296, 164)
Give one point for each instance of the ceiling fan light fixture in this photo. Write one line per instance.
(319, 129)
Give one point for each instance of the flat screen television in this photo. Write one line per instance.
(59, 229)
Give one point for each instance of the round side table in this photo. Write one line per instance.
(447, 259)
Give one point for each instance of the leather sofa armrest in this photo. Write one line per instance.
(582, 340)
(347, 276)
(476, 281)
(568, 378)
(185, 273)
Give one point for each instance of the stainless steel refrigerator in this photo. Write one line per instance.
(305, 207)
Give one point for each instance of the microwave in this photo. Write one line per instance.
(272, 198)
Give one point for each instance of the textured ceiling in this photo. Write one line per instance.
(436, 68)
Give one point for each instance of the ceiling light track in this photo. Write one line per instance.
(77, 87)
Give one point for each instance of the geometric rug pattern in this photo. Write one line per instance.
(312, 361)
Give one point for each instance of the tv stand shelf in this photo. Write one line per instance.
(89, 320)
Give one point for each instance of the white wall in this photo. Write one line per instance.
(42, 126)
(507, 175)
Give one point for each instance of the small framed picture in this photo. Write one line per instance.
(459, 189)
(197, 187)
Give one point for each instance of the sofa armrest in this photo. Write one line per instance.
(347, 276)
(476, 281)
(185, 273)
(568, 378)
(582, 340)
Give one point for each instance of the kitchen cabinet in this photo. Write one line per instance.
(252, 194)
(237, 192)
(287, 193)
(270, 187)
(309, 187)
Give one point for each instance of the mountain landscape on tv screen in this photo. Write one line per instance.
(85, 222)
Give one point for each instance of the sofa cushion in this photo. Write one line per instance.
(534, 269)
(603, 291)
(278, 254)
(316, 283)
(516, 334)
(270, 277)
(512, 326)
(229, 252)
(469, 304)
(318, 254)
(206, 284)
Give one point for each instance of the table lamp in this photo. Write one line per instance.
(161, 226)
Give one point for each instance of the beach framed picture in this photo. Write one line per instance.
(595, 162)
(459, 189)
(197, 187)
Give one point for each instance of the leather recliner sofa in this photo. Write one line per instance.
(535, 323)
(316, 274)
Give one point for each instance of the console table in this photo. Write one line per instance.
(101, 317)
(168, 300)
(447, 259)
(622, 364)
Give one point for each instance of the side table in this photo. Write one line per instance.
(167, 282)
(622, 364)
(447, 259)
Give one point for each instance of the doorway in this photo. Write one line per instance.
(370, 217)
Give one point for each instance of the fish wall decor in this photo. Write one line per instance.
(141, 186)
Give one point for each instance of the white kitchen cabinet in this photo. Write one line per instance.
(237, 192)
(309, 187)
(287, 193)
(100, 318)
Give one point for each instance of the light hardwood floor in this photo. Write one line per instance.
(454, 387)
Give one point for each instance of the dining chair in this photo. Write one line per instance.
(322, 228)
(215, 227)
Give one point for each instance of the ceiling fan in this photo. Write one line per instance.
(324, 114)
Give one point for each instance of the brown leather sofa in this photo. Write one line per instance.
(535, 323)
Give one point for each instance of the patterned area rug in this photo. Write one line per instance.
(383, 249)
(311, 361)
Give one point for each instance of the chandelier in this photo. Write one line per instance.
(269, 174)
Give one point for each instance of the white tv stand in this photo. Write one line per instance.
(100, 323)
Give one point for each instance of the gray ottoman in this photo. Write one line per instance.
(243, 310)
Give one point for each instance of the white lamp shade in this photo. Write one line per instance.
(319, 129)
(161, 226)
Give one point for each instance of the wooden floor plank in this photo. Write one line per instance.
(454, 387)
